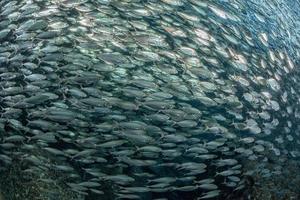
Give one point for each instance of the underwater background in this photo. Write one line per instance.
(149, 99)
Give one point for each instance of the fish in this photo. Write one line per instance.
(130, 99)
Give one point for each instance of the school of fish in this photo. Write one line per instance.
(144, 99)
